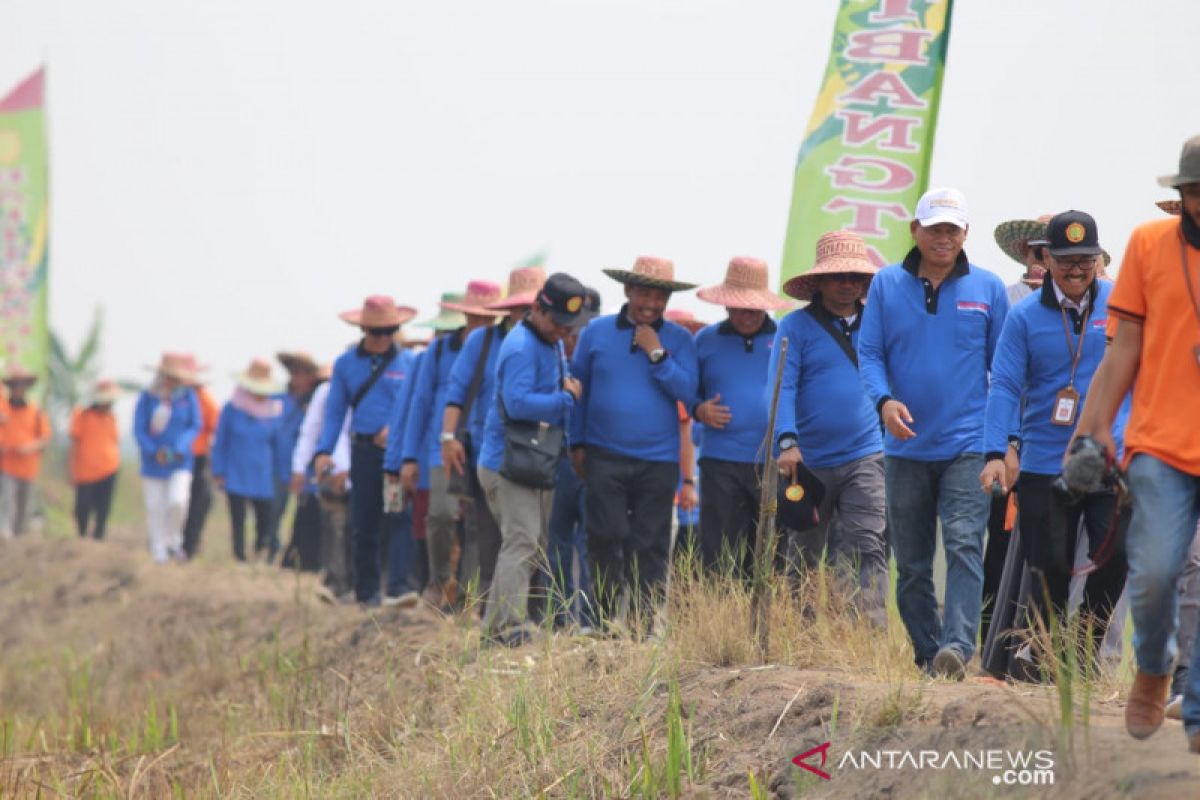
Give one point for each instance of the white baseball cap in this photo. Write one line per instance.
(943, 205)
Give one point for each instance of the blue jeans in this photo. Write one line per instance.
(568, 539)
(1166, 505)
(918, 493)
(400, 551)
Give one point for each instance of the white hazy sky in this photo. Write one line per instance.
(229, 174)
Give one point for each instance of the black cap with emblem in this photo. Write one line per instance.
(1073, 233)
(564, 298)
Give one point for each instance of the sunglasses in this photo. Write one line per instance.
(389, 331)
(849, 277)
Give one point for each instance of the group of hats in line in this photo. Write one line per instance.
(255, 379)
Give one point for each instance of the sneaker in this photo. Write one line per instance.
(406, 600)
(372, 602)
(326, 595)
(1175, 707)
(948, 663)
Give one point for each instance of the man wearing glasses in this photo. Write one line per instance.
(1048, 352)
(364, 384)
(930, 326)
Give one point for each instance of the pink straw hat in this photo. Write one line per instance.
(257, 379)
(480, 295)
(652, 271)
(523, 285)
(1170, 206)
(838, 253)
(685, 318)
(180, 366)
(378, 311)
(745, 286)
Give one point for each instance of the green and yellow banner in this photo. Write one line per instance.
(865, 158)
(24, 226)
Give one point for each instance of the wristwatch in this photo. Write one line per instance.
(787, 443)
(657, 355)
(446, 437)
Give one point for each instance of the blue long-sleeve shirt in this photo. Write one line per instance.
(243, 453)
(822, 401)
(463, 373)
(931, 350)
(735, 367)
(529, 373)
(1032, 362)
(175, 440)
(392, 458)
(289, 433)
(351, 370)
(423, 424)
(629, 405)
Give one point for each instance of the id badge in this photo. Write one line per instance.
(1066, 407)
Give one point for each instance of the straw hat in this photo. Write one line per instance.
(1171, 206)
(298, 359)
(180, 366)
(17, 374)
(378, 311)
(652, 271)
(480, 295)
(105, 392)
(745, 286)
(1013, 236)
(446, 320)
(685, 318)
(523, 285)
(257, 378)
(838, 253)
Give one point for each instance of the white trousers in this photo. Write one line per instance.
(166, 507)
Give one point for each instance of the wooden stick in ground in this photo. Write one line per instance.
(764, 542)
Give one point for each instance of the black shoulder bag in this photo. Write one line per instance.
(843, 341)
(467, 484)
(531, 449)
(373, 378)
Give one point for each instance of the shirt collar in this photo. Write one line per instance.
(912, 263)
(819, 310)
(536, 333)
(769, 326)
(1053, 297)
(623, 322)
(388, 354)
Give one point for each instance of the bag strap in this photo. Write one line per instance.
(477, 378)
(373, 378)
(822, 318)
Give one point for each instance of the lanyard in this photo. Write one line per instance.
(1076, 353)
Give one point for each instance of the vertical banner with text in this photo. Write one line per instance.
(865, 157)
(24, 225)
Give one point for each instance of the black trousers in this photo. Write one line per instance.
(1048, 553)
(262, 522)
(366, 515)
(304, 551)
(729, 494)
(629, 505)
(993, 561)
(199, 504)
(93, 500)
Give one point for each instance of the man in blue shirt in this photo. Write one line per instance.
(635, 368)
(930, 326)
(364, 383)
(531, 386)
(733, 358)
(826, 421)
(1048, 352)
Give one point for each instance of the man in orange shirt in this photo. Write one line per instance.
(200, 500)
(95, 458)
(1156, 306)
(25, 435)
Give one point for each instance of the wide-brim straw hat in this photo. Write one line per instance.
(1170, 206)
(838, 253)
(180, 366)
(1015, 235)
(445, 320)
(17, 374)
(257, 379)
(1189, 166)
(480, 295)
(105, 392)
(524, 283)
(684, 318)
(651, 271)
(297, 359)
(745, 286)
(378, 311)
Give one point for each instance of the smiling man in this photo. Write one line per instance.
(929, 329)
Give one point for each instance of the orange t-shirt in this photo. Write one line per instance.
(25, 425)
(1151, 290)
(210, 414)
(95, 447)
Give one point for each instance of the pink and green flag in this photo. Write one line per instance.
(864, 161)
(24, 225)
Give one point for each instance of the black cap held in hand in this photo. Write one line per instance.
(1073, 233)
(564, 298)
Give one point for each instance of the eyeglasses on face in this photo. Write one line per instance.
(389, 331)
